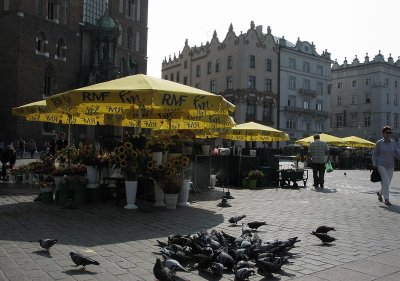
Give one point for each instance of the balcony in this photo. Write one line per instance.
(307, 93)
(313, 112)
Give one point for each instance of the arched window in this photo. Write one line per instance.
(61, 49)
(267, 111)
(137, 42)
(51, 10)
(250, 110)
(120, 34)
(121, 6)
(41, 43)
(38, 7)
(123, 67)
(129, 38)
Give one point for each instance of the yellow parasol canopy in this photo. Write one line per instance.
(331, 140)
(140, 92)
(253, 131)
(358, 142)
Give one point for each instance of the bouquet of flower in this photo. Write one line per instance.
(255, 174)
(132, 161)
(89, 155)
(155, 144)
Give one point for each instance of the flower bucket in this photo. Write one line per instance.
(158, 195)
(184, 194)
(79, 194)
(131, 190)
(46, 196)
(92, 176)
(171, 201)
(213, 181)
(205, 149)
(252, 183)
(187, 149)
(157, 157)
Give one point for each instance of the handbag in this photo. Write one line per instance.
(375, 176)
(328, 167)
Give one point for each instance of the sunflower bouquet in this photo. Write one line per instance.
(170, 174)
(130, 160)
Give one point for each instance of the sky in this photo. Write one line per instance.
(345, 28)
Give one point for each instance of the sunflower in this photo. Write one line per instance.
(121, 149)
(135, 155)
(128, 145)
(161, 167)
(150, 165)
(121, 157)
(123, 164)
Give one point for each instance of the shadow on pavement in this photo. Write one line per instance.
(324, 190)
(393, 208)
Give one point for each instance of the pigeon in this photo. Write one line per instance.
(226, 260)
(244, 273)
(174, 265)
(47, 243)
(236, 219)
(160, 273)
(217, 268)
(256, 224)
(224, 203)
(268, 267)
(81, 260)
(324, 229)
(325, 238)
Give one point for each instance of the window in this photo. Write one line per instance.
(38, 7)
(185, 80)
(267, 112)
(320, 70)
(395, 84)
(120, 34)
(329, 89)
(121, 6)
(209, 67)
(171, 77)
(339, 100)
(367, 97)
(319, 88)
(306, 124)
(367, 119)
(197, 85)
(61, 49)
(268, 85)
(290, 124)
(387, 119)
(367, 81)
(395, 100)
(51, 10)
(292, 82)
(306, 104)
(354, 99)
(292, 101)
(218, 65)
(306, 67)
(185, 64)
(268, 65)
(339, 85)
(41, 43)
(49, 79)
(319, 126)
(306, 84)
(251, 83)
(178, 76)
(230, 62)
(250, 109)
(387, 98)
(137, 42)
(318, 105)
(212, 86)
(198, 70)
(353, 119)
(354, 83)
(386, 83)
(396, 120)
(292, 63)
(339, 120)
(229, 83)
(252, 61)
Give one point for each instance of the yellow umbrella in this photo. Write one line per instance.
(332, 140)
(354, 141)
(253, 131)
(140, 92)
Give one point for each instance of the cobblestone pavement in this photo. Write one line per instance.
(124, 241)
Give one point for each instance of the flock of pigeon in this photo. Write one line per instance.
(217, 252)
(78, 259)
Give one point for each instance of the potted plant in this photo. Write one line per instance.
(252, 177)
(156, 145)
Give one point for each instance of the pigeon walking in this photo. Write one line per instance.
(160, 273)
(244, 273)
(47, 243)
(324, 229)
(325, 238)
(78, 259)
(256, 224)
(174, 265)
(236, 219)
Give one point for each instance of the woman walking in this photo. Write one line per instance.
(383, 158)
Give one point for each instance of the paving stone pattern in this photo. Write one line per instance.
(124, 241)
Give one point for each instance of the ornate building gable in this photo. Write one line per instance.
(254, 35)
(230, 38)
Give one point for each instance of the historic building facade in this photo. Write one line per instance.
(304, 101)
(51, 46)
(241, 67)
(365, 97)
(270, 80)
